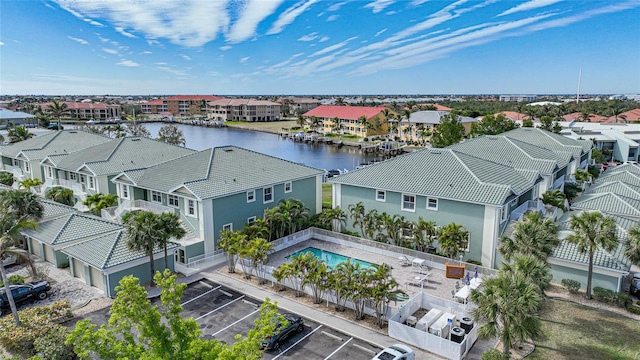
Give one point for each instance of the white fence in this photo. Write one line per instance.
(425, 340)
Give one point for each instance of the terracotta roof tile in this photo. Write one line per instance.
(345, 112)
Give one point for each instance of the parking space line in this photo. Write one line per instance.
(201, 295)
(338, 349)
(364, 349)
(223, 306)
(297, 342)
(332, 336)
(235, 323)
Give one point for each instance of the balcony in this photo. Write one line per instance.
(529, 205)
(115, 213)
(15, 170)
(559, 183)
(78, 188)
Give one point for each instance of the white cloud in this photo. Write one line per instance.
(289, 15)
(331, 48)
(1, 43)
(379, 5)
(533, 4)
(309, 37)
(332, 17)
(110, 51)
(128, 63)
(380, 32)
(93, 22)
(78, 40)
(244, 59)
(253, 12)
(145, 53)
(176, 72)
(225, 47)
(418, 2)
(586, 15)
(336, 7)
(186, 57)
(124, 33)
(324, 38)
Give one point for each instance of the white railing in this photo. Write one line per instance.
(210, 259)
(529, 205)
(16, 170)
(557, 184)
(152, 207)
(189, 222)
(70, 184)
(125, 205)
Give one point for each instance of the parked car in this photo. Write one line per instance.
(295, 324)
(396, 352)
(635, 285)
(10, 260)
(33, 290)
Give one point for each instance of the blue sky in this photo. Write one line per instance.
(319, 47)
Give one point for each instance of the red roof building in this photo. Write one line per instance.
(179, 105)
(626, 117)
(348, 117)
(88, 111)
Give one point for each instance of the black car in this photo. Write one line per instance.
(294, 324)
(635, 285)
(23, 292)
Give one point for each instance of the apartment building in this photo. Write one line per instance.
(243, 110)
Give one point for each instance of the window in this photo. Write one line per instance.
(465, 248)
(227, 227)
(513, 202)
(408, 202)
(16, 162)
(251, 196)
(191, 208)
(381, 195)
(267, 195)
(91, 184)
(156, 196)
(72, 176)
(251, 220)
(125, 191)
(26, 166)
(173, 200)
(432, 204)
(49, 172)
(503, 214)
(288, 187)
(83, 179)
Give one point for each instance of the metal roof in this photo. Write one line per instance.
(72, 227)
(57, 142)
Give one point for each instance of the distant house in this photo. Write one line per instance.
(17, 118)
(179, 105)
(617, 141)
(243, 110)
(425, 122)
(88, 111)
(300, 105)
(518, 98)
(348, 119)
(217, 189)
(483, 184)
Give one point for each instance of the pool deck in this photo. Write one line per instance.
(438, 285)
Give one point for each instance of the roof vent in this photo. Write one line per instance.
(135, 139)
(73, 132)
(228, 150)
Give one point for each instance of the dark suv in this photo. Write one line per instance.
(33, 290)
(295, 324)
(635, 285)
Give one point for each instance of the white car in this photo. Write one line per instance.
(10, 260)
(396, 352)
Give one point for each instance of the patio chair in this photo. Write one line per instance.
(417, 281)
(404, 260)
(423, 270)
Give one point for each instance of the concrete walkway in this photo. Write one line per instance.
(344, 325)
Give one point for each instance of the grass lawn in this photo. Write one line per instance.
(326, 195)
(269, 126)
(573, 331)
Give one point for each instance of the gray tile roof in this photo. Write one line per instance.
(514, 153)
(107, 250)
(608, 203)
(443, 173)
(54, 209)
(118, 155)
(635, 169)
(612, 260)
(221, 171)
(626, 177)
(615, 187)
(73, 227)
(57, 142)
(549, 140)
(433, 117)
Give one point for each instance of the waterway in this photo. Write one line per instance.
(320, 156)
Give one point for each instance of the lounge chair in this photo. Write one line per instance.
(404, 261)
(417, 281)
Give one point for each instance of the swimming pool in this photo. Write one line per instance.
(330, 258)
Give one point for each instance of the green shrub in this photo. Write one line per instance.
(634, 309)
(14, 279)
(571, 285)
(494, 354)
(366, 140)
(612, 297)
(64, 265)
(571, 190)
(39, 332)
(475, 262)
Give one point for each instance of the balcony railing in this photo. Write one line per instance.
(557, 184)
(15, 170)
(115, 213)
(529, 205)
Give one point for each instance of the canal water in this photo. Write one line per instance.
(320, 156)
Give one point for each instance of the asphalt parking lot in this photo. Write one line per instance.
(223, 313)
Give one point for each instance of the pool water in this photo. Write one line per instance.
(330, 258)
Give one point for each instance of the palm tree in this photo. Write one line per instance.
(554, 198)
(58, 109)
(6, 178)
(22, 204)
(231, 242)
(371, 223)
(142, 234)
(357, 215)
(60, 195)
(301, 121)
(315, 123)
(534, 235)
(293, 214)
(338, 283)
(362, 121)
(19, 133)
(334, 218)
(508, 308)
(28, 183)
(537, 270)
(387, 115)
(425, 233)
(423, 132)
(407, 115)
(259, 256)
(168, 226)
(99, 201)
(452, 238)
(632, 245)
(590, 231)
(384, 289)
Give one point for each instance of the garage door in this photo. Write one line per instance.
(97, 279)
(78, 268)
(48, 254)
(35, 248)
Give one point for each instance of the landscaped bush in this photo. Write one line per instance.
(634, 309)
(571, 190)
(39, 332)
(14, 279)
(571, 285)
(612, 297)
(475, 262)
(494, 354)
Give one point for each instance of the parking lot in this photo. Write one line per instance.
(223, 313)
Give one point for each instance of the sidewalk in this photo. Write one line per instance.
(344, 325)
